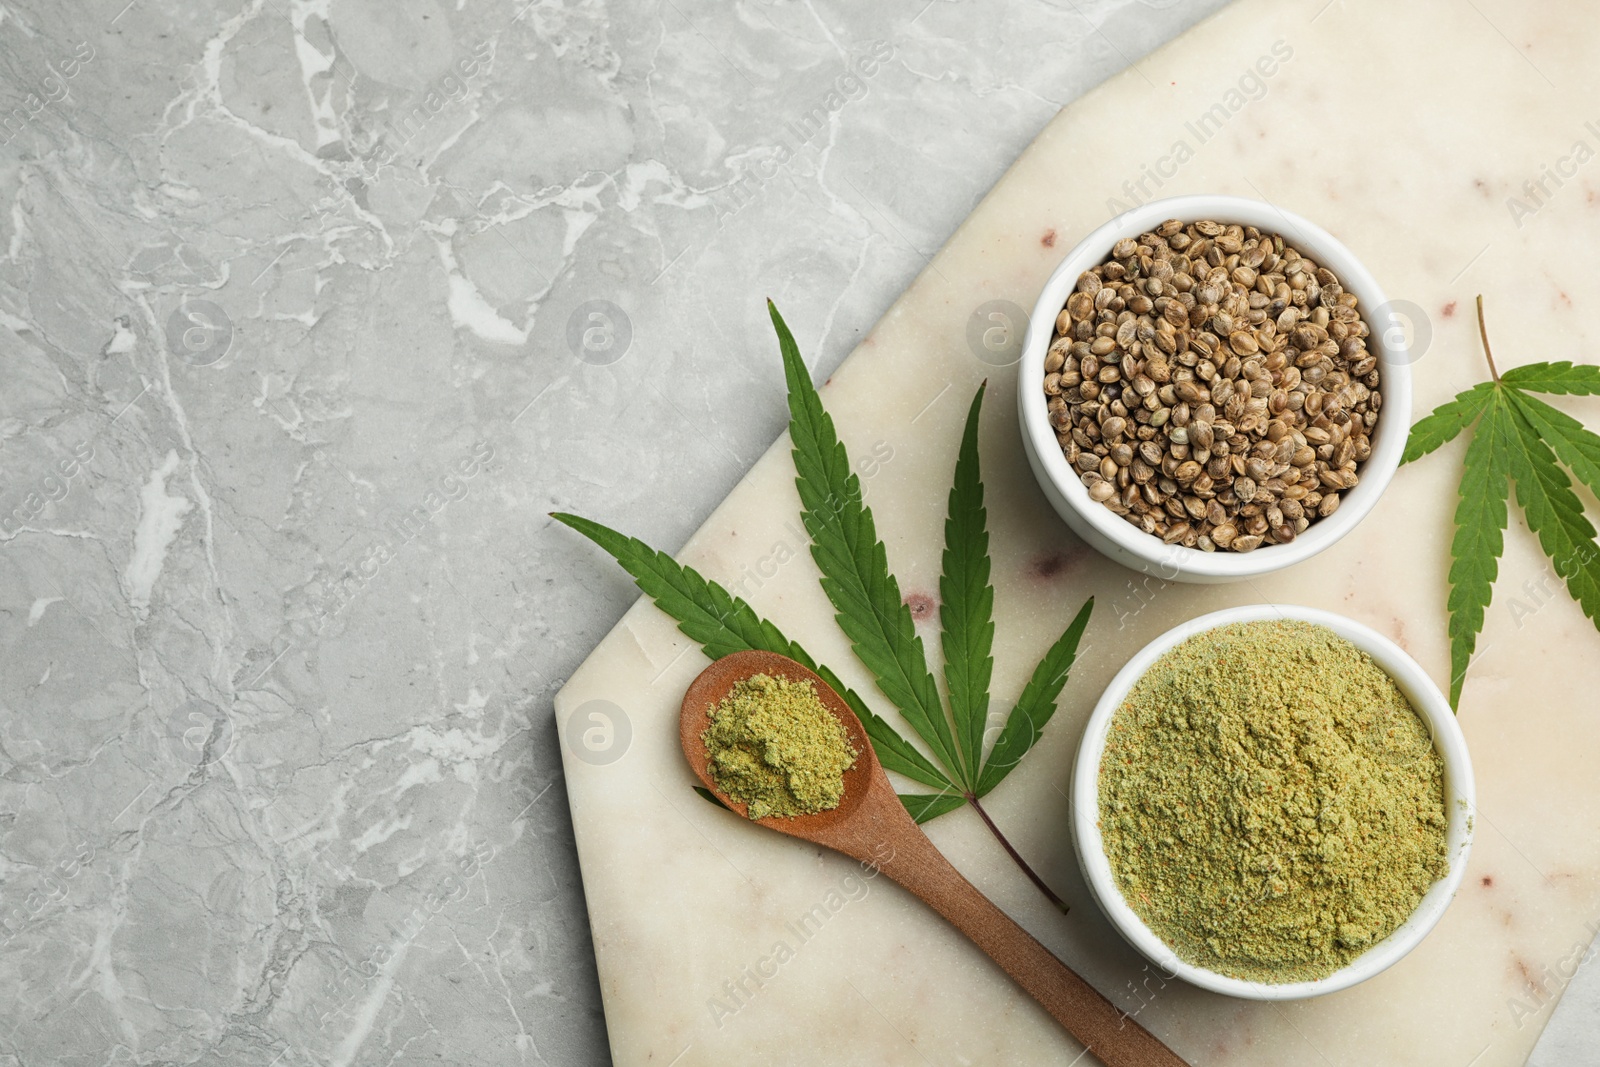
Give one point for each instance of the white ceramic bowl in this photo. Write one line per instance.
(1119, 539)
(1458, 794)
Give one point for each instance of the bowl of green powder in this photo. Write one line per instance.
(1273, 802)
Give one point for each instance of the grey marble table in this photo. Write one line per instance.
(310, 312)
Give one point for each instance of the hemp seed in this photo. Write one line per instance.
(1213, 386)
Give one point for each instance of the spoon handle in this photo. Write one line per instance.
(1109, 1033)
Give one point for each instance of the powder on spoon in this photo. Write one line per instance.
(1271, 804)
(776, 748)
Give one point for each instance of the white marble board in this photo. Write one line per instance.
(1441, 142)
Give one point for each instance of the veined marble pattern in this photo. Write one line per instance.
(310, 311)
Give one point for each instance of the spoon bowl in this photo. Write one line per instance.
(872, 825)
(716, 681)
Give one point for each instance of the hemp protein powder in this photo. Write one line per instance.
(1270, 803)
(776, 748)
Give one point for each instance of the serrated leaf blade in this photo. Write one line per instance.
(1480, 522)
(722, 624)
(706, 612)
(925, 806)
(1574, 445)
(706, 794)
(854, 563)
(1446, 421)
(1554, 512)
(1562, 376)
(966, 602)
(894, 752)
(1036, 705)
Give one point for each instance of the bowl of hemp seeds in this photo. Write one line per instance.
(1272, 802)
(1212, 388)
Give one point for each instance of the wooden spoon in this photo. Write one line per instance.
(871, 825)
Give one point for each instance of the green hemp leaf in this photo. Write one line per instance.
(874, 617)
(1518, 438)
